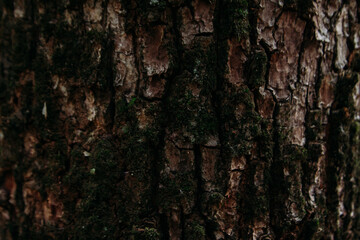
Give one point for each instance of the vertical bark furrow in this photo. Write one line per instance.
(179, 119)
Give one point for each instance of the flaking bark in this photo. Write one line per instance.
(174, 119)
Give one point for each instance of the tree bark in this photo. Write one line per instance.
(179, 119)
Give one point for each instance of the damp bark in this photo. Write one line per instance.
(174, 119)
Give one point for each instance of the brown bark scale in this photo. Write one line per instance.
(179, 119)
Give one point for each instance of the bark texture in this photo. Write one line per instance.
(179, 119)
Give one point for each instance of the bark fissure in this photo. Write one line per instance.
(276, 177)
(137, 60)
(198, 177)
(185, 119)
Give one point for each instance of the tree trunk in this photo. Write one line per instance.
(179, 119)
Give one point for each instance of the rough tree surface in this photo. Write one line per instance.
(179, 119)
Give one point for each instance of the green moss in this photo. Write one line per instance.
(257, 70)
(104, 162)
(157, 3)
(186, 112)
(355, 132)
(241, 19)
(256, 204)
(234, 20)
(174, 191)
(138, 145)
(195, 231)
(136, 153)
(243, 123)
(77, 172)
(201, 64)
(133, 159)
(150, 234)
(94, 218)
(215, 198)
(190, 107)
(190, 111)
(294, 154)
(122, 106)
